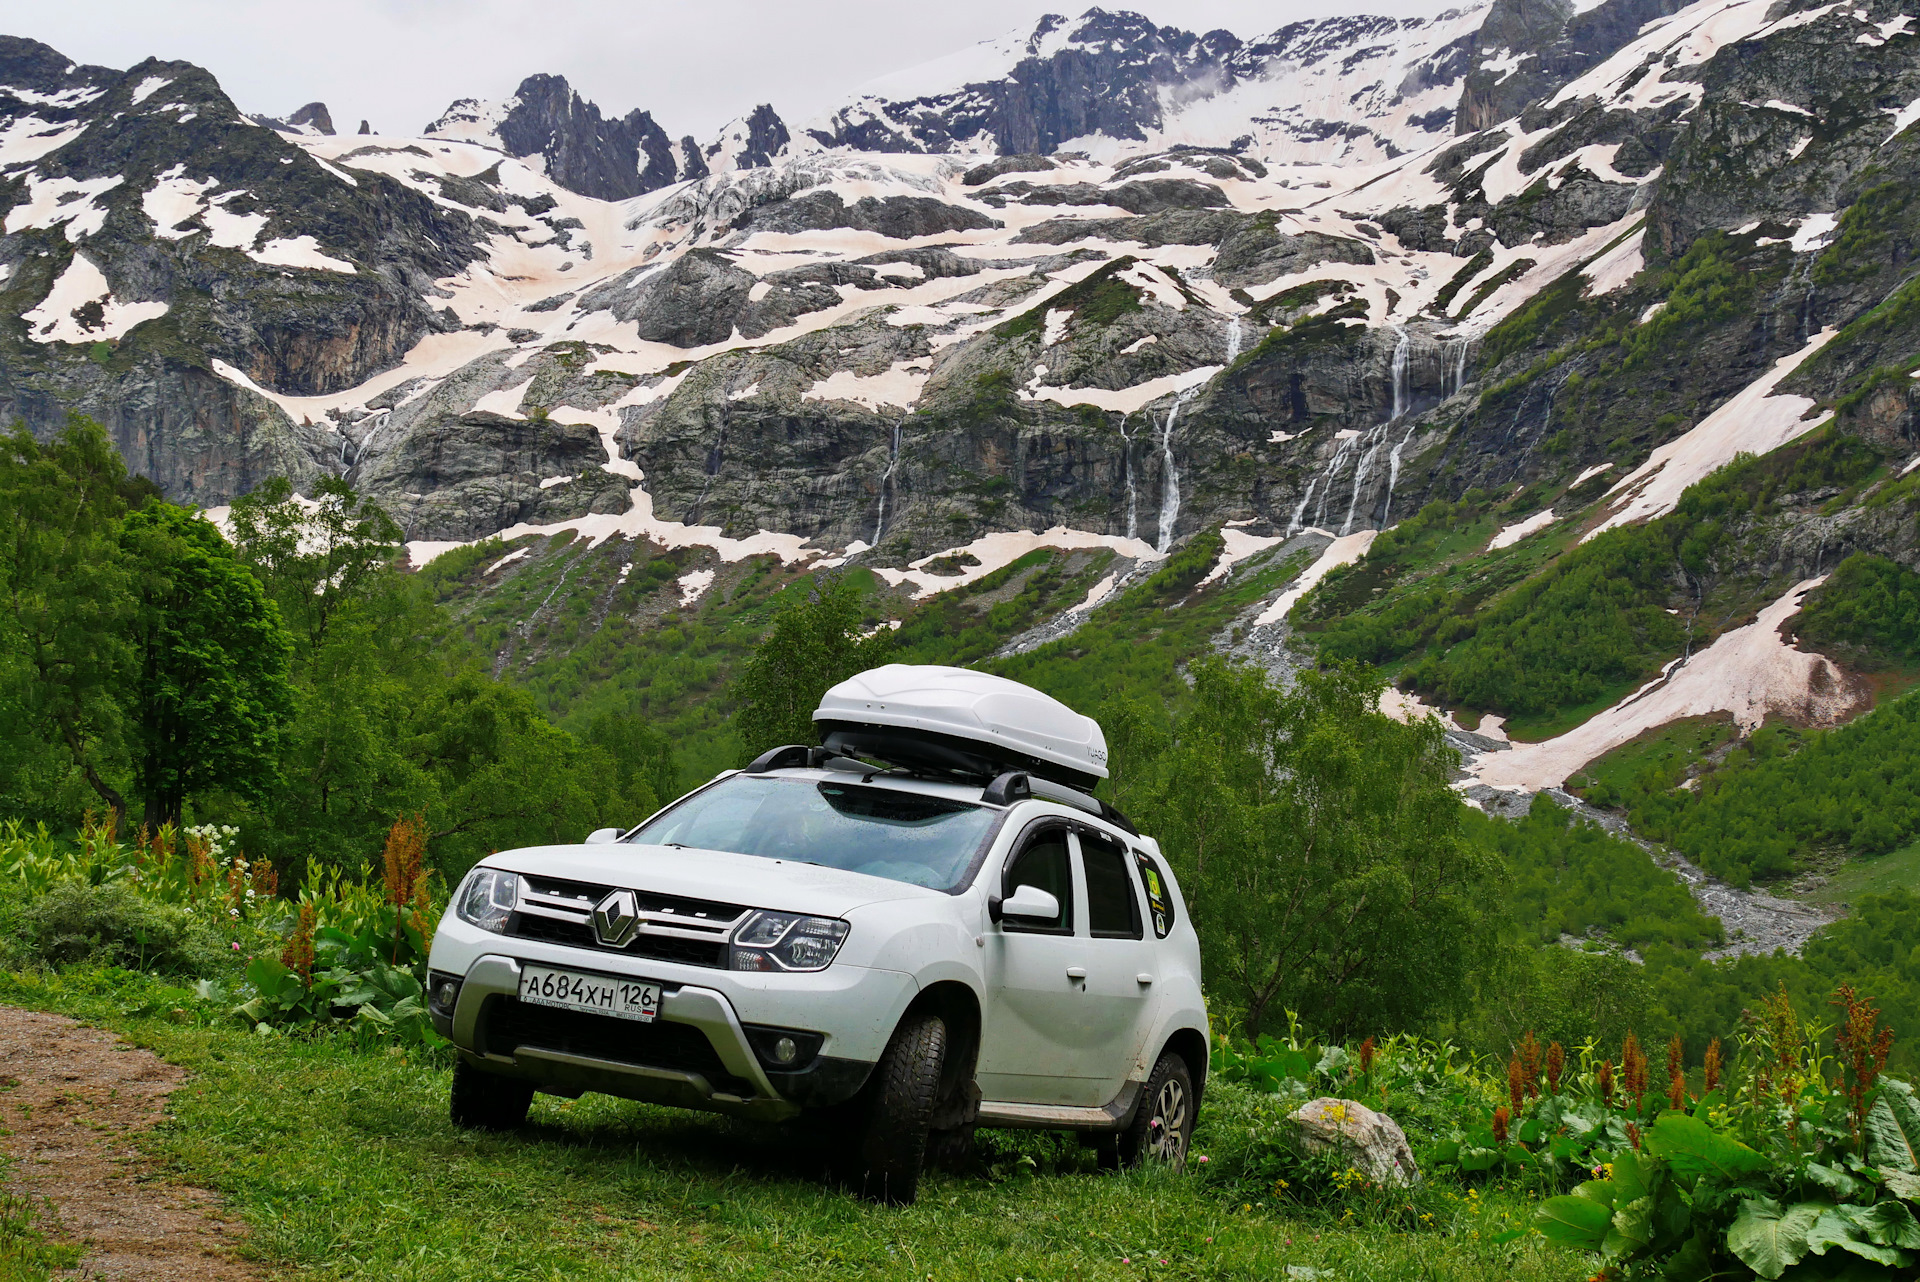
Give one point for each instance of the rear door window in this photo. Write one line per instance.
(1113, 910)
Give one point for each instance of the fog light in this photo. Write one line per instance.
(444, 995)
(784, 1050)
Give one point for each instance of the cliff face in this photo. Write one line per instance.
(534, 316)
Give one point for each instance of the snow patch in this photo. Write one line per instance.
(1751, 672)
(1057, 318)
(1139, 343)
(149, 87)
(1342, 551)
(1237, 546)
(80, 287)
(1589, 474)
(1512, 534)
(1128, 399)
(1753, 421)
(548, 483)
(504, 400)
(508, 559)
(302, 252)
(996, 551)
(52, 201)
(693, 586)
(1616, 268)
(1814, 232)
(895, 386)
(26, 139)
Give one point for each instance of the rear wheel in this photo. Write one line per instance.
(901, 1095)
(487, 1102)
(1162, 1125)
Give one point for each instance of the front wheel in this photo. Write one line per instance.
(486, 1101)
(1162, 1125)
(899, 1106)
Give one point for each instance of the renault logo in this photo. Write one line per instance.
(616, 919)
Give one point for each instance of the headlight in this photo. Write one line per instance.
(487, 899)
(784, 941)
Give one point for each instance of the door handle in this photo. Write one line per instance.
(1076, 972)
(1143, 979)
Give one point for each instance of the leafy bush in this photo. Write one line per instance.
(1787, 794)
(1870, 606)
(1573, 877)
(114, 925)
(1783, 1168)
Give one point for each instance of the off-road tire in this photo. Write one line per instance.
(900, 1100)
(487, 1102)
(1162, 1125)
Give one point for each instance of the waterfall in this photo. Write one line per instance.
(1402, 348)
(1333, 470)
(1362, 471)
(1133, 495)
(886, 479)
(1453, 365)
(1170, 489)
(1301, 511)
(1393, 473)
(1233, 340)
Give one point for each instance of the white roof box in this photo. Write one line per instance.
(957, 720)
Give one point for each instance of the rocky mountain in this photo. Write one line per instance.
(1104, 286)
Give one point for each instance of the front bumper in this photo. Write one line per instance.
(742, 1087)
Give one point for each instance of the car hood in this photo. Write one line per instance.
(711, 874)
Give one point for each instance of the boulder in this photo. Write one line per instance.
(1372, 1142)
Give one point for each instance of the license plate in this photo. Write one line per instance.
(600, 994)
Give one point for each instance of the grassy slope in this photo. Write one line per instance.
(344, 1165)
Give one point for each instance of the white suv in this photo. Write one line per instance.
(904, 945)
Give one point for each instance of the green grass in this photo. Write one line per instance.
(1667, 749)
(342, 1162)
(1896, 870)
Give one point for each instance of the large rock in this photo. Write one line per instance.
(1372, 1142)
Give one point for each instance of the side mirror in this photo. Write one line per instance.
(1030, 902)
(601, 836)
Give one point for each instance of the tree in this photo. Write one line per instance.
(208, 692)
(814, 644)
(313, 555)
(66, 589)
(1320, 847)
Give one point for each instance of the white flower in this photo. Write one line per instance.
(233, 912)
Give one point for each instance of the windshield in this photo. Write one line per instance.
(902, 836)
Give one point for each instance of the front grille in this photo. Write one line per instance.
(693, 952)
(511, 1024)
(672, 928)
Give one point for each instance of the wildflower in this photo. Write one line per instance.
(236, 945)
(1516, 1084)
(1863, 1051)
(1556, 1064)
(1201, 1159)
(1633, 1067)
(1500, 1119)
(298, 956)
(1530, 1063)
(1604, 1081)
(1633, 1134)
(1366, 1056)
(1711, 1065)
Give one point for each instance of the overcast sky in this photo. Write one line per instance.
(694, 63)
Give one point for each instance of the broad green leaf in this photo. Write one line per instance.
(1576, 1221)
(1893, 1129)
(1853, 1229)
(1901, 1184)
(1693, 1149)
(1630, 1231)
(1843, 1186)
(1767, 1238)
(1634, 1176)
(1601, 1191)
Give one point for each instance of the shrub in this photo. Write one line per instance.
(115, 925)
